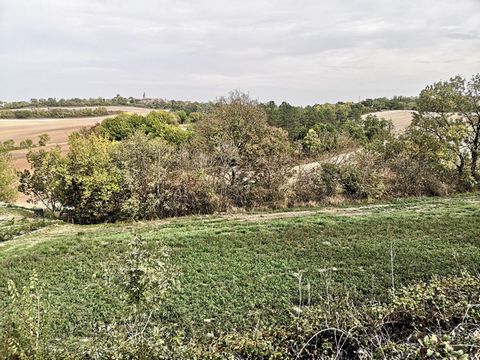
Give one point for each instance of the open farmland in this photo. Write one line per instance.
(401, 119)
(57, 129)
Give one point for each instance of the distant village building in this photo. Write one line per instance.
(146, 100)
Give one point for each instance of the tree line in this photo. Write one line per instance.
(56, 113)
(233, 157)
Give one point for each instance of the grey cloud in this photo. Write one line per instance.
(303, 51)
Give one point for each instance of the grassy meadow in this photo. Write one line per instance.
(241, 272)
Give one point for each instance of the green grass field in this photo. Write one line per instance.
(237, 273)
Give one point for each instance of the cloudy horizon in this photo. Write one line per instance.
(302, 51)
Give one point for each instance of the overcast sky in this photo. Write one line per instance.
(301, 51)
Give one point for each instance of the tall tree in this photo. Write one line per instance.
(449, 113)
(249, 159)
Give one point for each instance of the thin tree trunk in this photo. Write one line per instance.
(461, 166)
(473, 166)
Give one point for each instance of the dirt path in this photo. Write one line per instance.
(57, 231)
(350, 211)
(361, 210)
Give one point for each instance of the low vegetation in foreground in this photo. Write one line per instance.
(393, 280)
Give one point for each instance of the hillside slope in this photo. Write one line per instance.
(240, 271)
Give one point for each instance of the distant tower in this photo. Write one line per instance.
(144, 95)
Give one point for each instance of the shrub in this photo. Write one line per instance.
(417, 176)
(248, 159)
(46, 181)
(22, 335)
(182, 116)
(438, 319)
(363, 177)
(417, 168)
(316, 185)
(143, 167)
(43, 139)
(8, 179)
(8, 145)
(194, 117)
(188, 192)
(159, 180)
(26, 144)
(92, 183)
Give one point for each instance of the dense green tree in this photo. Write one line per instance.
(92, 181)
(248, 158)
(83, 186)
(448, 115)
(157, 124)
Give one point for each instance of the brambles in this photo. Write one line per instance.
(438, 319)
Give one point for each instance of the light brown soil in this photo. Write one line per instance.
(57, 129)
(401, 119)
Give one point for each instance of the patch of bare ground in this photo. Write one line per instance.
(349, 211)
(57, 129)
(362, 210)
(401, 119)
(473, 199)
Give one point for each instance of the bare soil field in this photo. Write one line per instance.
(57, 129)
(401, 119)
